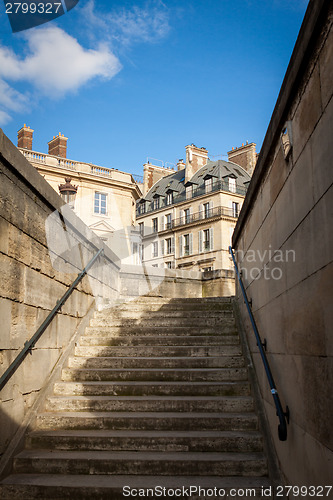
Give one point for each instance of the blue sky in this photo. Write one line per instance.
(127, 80)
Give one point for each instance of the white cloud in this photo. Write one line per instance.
(4, 118)
(55, 63)
(128, 26)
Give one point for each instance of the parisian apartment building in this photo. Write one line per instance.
(186, 217)
(104, 198)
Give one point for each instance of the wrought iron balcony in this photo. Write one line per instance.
(205, 214)
(147, 207)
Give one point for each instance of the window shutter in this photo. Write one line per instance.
(201, 214)
(210, 206)
(182, 216)
(180, 246)
(162, 247)
(191, 244)
(173, 245)
(162, 223)
(200, 241)
(211, 243)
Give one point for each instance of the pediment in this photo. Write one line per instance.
(102, 226)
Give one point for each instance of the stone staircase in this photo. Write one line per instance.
(156, 394)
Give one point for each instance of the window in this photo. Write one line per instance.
(186, 244)
(168, 245)
(235, 209)
(208, 185)
(206, 207)
(232, 185)
(100, 205)
(187, 215)
(206, 240)
(155, 249)
(189, 191)
(155, 225)
(156, 203)
(141, 228)
(168, 221)
(169, 264)
(142, 208)
(169, 200)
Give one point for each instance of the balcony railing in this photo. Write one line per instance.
(64, 163)
(185, 196)
(207, 214)
(189, 219)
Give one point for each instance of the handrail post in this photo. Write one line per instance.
(283, 416)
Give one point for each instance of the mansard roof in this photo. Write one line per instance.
(218, 170)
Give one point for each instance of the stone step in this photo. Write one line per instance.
(166, 374)
(150, 463)
(165, 321)
(176, 362)
(141, 314)
(169, 340)
(152, 307)
(147, 440)
(148, 300)
(146, 330)
(158, 351)
(153, 388)
(148, 421)
(151, 403)
(106, 487)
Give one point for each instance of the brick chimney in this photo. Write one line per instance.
(153, 173)
(58, 146)
(195, 159)
(180, 165)
(24, 137)
(245, 156)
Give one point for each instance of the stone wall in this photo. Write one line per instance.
(159, 282)
(284, 246)
(40, 256)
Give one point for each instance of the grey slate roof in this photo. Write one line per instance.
(217, 169)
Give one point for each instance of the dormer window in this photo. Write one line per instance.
(208, 185)
(169, 200)
(156, 203)
(189, 191)
(232, 185)
(142, 208)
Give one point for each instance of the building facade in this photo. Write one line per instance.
(104, 198)
(187, 217)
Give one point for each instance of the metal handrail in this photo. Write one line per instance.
(31, 343)
(283, 416)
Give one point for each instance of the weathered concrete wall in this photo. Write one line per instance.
(36, 269)
(284, 245)
(160, 282)
(219, 283)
